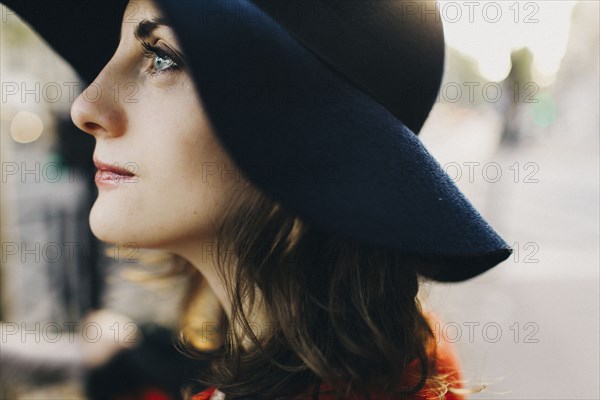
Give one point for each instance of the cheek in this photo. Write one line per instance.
(189, 158)
(193, 189)
(185, 181)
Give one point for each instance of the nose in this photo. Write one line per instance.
(98, 110)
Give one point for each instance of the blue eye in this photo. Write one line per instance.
(161, 61)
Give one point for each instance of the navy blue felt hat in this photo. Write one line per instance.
(318, 102)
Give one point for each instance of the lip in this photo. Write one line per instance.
(112, 174)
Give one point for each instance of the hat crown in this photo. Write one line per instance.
(391, 49)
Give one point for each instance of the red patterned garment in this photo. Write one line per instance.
(447, 363)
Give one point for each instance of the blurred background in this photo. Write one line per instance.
(516, 125)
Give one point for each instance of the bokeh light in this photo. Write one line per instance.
(26, 127)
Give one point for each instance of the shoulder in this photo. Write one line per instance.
(446, 353)
(446, 360)
(446, 356)
(447, 372)
(208, 394)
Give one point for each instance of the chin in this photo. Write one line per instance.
(113, 224)
(126, 229)
(107, 227)
(113, 219)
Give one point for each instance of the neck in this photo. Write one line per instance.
(214, 295)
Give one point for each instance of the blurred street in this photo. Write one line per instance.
(541, 304)
(528, 159)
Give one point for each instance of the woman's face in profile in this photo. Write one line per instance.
(150, 121)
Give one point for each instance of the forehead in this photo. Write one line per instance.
(136, 14)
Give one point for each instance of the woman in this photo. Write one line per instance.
(262, 144)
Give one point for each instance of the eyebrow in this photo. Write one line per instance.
(144, 29)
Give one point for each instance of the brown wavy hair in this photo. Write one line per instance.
(344, 313)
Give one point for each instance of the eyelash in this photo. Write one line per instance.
(151, 52)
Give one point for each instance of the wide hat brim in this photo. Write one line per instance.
(319, 138)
